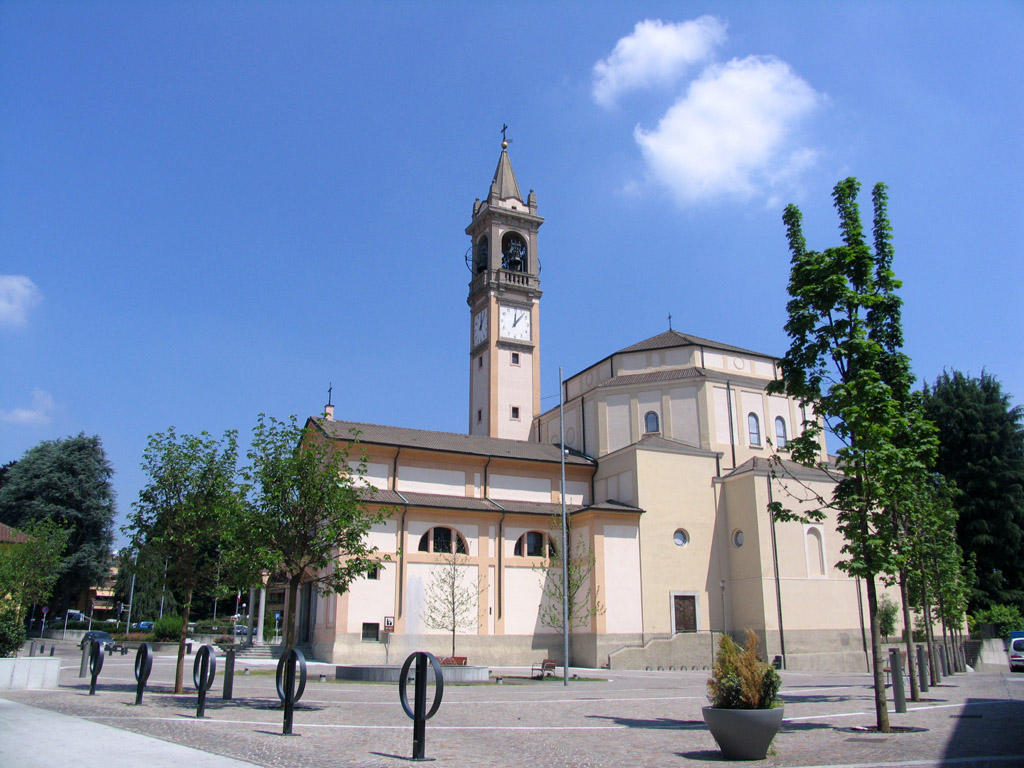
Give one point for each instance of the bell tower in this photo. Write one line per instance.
(504, 299)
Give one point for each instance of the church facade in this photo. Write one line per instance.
(667, 480)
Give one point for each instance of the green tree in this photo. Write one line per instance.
(845, 364)
(887, 611)
(304, 517)
(142, 582)
(981, 451)
(451, 598)
(584, 597)
(182, 514)
(30, 567)
(68, 482)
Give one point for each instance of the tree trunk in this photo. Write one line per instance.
(908, 638)
(179, 673)
(881, 705)
(292, 618)
(926, 609)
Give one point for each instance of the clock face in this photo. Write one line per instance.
(480, 326)
(515, 323)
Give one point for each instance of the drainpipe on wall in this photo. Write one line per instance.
(778, 587)
(401, 557)
(732, 432)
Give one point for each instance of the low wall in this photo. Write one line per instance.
(391, 674)
(21, 674)
(993, 656)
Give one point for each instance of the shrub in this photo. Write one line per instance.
(886, 616)
(167, 628)
(1006, 619)
(12, 633)
(739, 679)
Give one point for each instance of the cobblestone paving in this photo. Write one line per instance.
(627, 719)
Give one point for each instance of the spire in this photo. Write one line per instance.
(503, 185)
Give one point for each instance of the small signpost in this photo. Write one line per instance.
(418, 712)
(389, 623)
(204, 670)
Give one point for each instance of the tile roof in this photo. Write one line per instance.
(785, 467)
(10, 535)
(450, 442)
(670, 339)
(650, 377)
(503, 185)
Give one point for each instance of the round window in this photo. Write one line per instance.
(681, 538)
(737, 539)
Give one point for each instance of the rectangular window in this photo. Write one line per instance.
(480, 362)
(515, 413)
(515, 358)
(479, 415)
(373, 573)
(371, 632)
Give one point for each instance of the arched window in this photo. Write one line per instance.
(754, 427)
(513, 252)
(780, 432)
(440, 539)
(815, 553)
(651, 422)
(482, 254)
(532, 544)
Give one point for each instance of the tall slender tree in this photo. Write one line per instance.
(183, 513)
(845, 363)
(305, 517)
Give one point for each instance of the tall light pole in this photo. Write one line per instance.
(565, 534)
(131, 595)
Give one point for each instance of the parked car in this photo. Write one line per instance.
(243, 629)
(146, 626)
(1016, 650)
(103, 637)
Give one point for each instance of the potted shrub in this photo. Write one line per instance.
(743, 716)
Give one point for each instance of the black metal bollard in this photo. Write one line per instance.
(922, 669)
(229, 673)
(898, 693)
(204, 670)
(143, 666)
(286, 688)
(52, 649)
(419, 713)
(32, 649)
(96, 653)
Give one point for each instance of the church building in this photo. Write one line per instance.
(667, 481)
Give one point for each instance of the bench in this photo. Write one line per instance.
(453, 661)
(543, 669)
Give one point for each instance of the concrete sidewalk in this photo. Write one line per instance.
(31, 737)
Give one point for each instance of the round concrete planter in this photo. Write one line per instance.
(743, 734)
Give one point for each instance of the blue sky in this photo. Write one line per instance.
(212, 210)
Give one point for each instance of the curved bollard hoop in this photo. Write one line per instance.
(285, 680)
(419, 712)
(143, 666)
(96, 653)
(204, 670)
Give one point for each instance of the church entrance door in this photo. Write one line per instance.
(686, 613)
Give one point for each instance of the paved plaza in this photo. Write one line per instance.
(627, 718)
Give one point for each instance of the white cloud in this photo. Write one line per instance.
(18, 294)
(733, 132)
(655, 54)
(37, 413)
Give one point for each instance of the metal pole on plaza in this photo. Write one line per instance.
(565, 535)
(131, 595)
